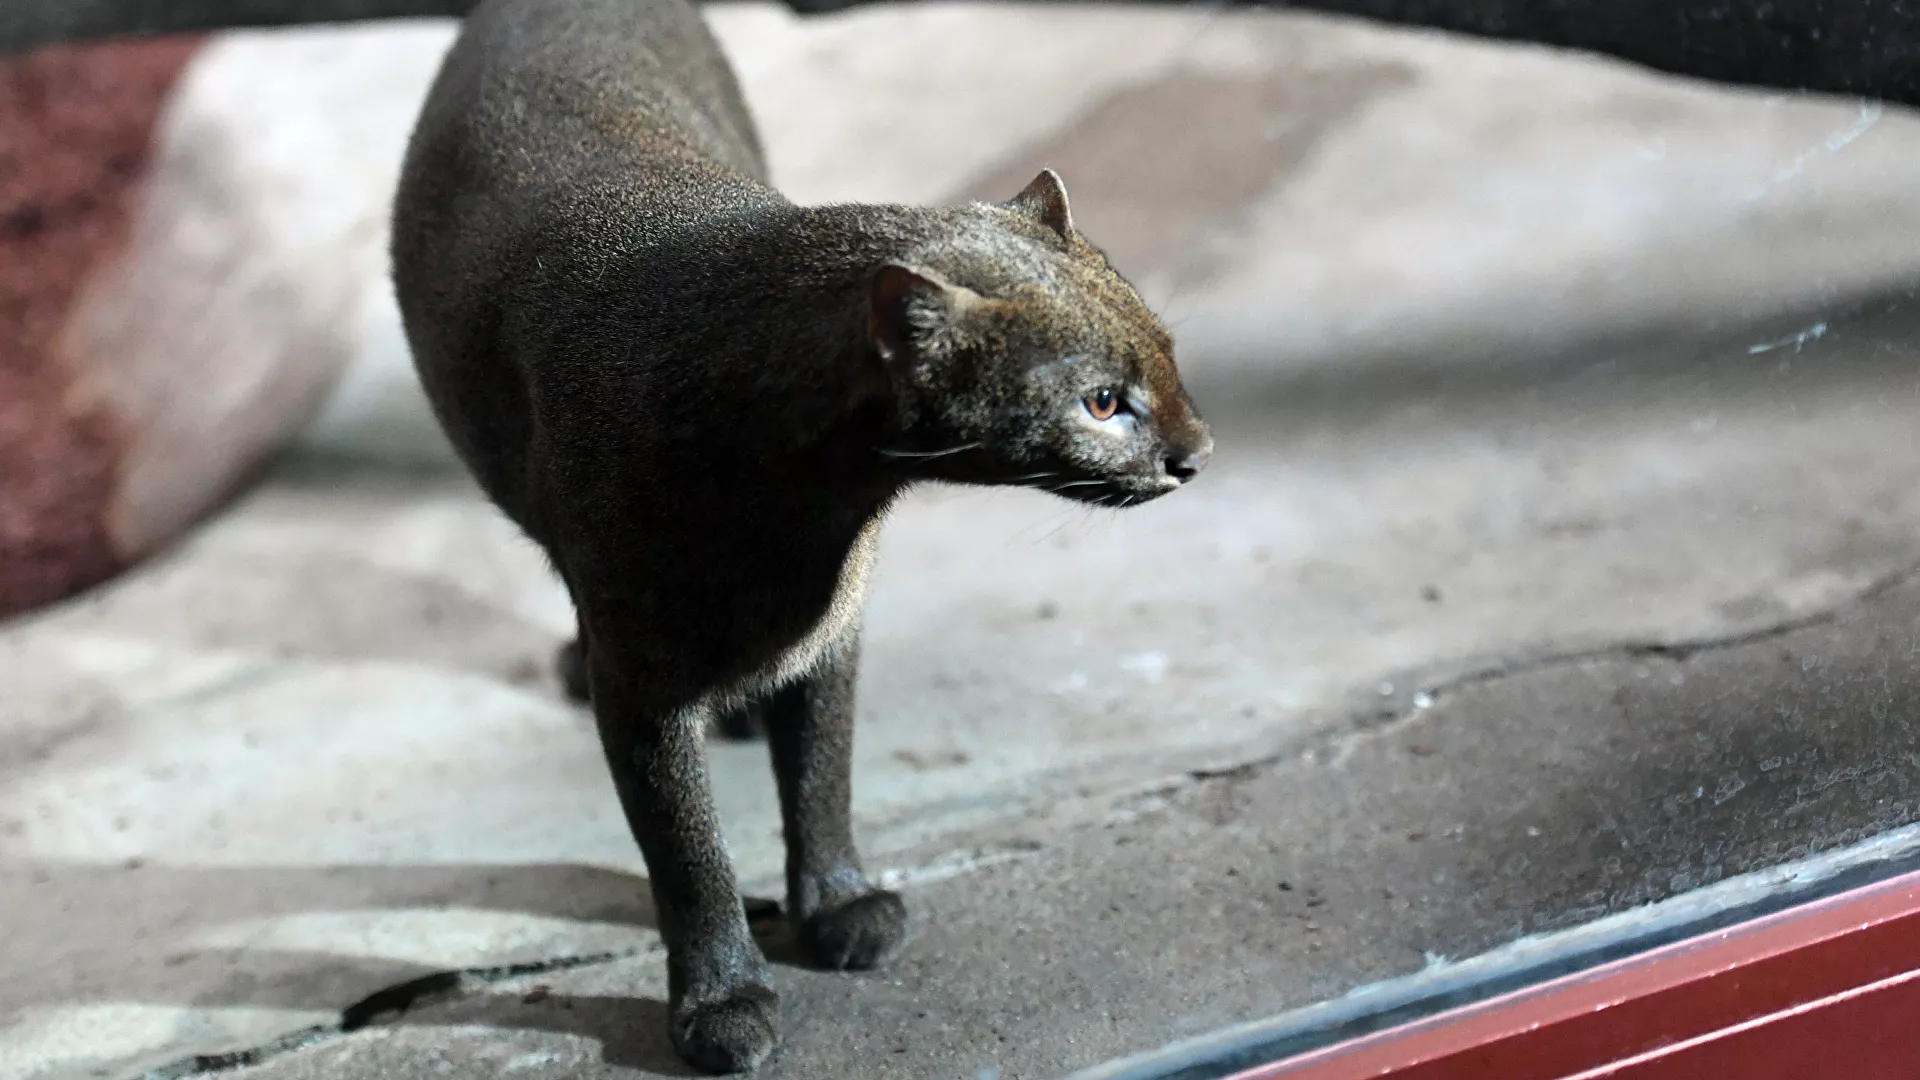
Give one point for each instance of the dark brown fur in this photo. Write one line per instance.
(700, 399)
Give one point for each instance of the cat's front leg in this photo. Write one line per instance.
(843, 920)
(742, 723)
(723, 1014)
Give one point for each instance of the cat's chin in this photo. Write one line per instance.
(1110, 494)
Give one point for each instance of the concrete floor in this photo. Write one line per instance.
(1465, 636)
(1520, 803)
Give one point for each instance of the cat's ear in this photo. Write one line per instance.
(912, 313)
(1045, 201)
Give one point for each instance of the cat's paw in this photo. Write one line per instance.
(733, 1034)
(864, 932)
(571, 666)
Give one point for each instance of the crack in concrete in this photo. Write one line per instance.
(1426, 695)
(1336, 744)
(1677, 651)
(958, 863)
(382, 1004)
(443, 986)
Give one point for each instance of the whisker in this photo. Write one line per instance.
(1062, 527)
(1030, 476)
(1074, 484)
(1062, 515)
(885, 452)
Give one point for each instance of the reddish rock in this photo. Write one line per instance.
(77, 132)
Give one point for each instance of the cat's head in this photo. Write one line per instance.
(1019, 356)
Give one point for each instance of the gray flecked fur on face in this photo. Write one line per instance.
(1000, 335)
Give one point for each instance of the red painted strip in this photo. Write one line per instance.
(1691, 992)
(1869, 1033)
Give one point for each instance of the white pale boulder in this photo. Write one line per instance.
(192, 252)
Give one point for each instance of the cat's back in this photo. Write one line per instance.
(542, 89)
(564, 124)
(563, 143)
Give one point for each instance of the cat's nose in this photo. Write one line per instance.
(1183, 464)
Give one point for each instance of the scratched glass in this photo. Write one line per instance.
(1546, 601)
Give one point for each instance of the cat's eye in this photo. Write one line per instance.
(1103, 403)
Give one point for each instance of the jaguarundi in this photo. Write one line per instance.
(700, 399)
